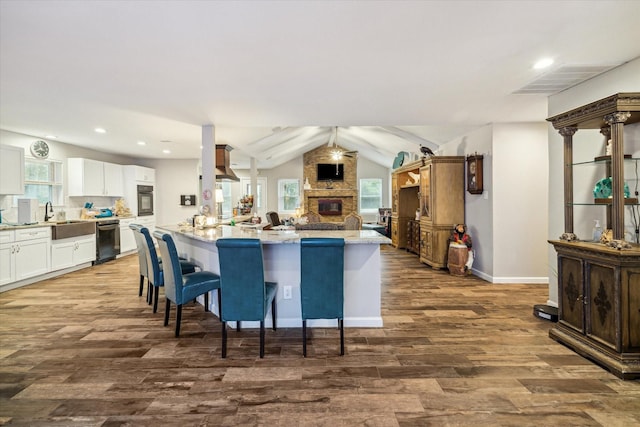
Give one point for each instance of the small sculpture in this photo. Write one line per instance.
(460, 253)
(426, 151)
(569, 237)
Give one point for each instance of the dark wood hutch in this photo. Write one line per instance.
(599, 286)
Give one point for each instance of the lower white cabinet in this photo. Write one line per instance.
(73, 251)
(127, 239)
(24, 253)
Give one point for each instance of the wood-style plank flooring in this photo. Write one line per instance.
(84, 350)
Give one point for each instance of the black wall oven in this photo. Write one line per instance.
(107, 240)
(145, 200)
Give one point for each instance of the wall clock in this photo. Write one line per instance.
(474, 174)
(40, 149)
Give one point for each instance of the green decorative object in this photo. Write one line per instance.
(604, 188)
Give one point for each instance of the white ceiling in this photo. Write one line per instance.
(275, 77)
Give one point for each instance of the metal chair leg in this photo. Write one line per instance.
(341, 325)
(304, 338)
(206, 301)
(261, 339)
(167, 307)
(178, 319)
(141, 285)
(155, 300)
(224, 339)
(273, 314)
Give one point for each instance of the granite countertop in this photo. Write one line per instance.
(276, 236)
(52, 223)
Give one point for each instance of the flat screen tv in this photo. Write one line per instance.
(330, 171)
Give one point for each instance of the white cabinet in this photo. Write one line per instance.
(113, 180)
(73, 251)
(127, 239)
(88, 177)
(11, 170)
(143, 174)
(24, 253)
(7, 264)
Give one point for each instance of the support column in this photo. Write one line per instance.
(616, 123)
(567, 133)
(254, 184)
(208, 168)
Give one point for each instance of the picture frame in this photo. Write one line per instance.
(474, 174)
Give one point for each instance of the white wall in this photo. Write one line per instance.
(625, 78)
(507, 221)
(520, 176)
(478, 210)
(174, 178)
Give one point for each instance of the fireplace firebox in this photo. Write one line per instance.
(330, 207)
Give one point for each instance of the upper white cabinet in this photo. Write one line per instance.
(94, 178)
(143, 174)
(11, 170)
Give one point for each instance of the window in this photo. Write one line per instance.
(370, 195)
(288, 195)
(227, 204)
(42, 181)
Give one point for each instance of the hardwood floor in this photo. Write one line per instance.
(84, 350)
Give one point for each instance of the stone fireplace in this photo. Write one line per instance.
(331, 200)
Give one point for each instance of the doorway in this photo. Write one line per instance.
(260, 197)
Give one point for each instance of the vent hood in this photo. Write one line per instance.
(223, 168)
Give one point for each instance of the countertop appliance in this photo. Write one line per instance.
(27, 211)
(107, 240)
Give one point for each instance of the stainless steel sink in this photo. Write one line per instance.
(66, 229)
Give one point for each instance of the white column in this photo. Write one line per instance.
(208, 168)
(254, 184)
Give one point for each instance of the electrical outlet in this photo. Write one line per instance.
(286, 292)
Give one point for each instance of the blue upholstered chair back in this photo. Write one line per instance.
(322, 278)
(171, 269)
(153, 262)
(140, 244)
(242, 280)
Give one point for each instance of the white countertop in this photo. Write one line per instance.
(276, 236)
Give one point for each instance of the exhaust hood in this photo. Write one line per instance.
(223, 168)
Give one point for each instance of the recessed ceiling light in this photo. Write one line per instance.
(543, 63)
(100, 130)
(51, 137)
(166, 151)
(142, 143)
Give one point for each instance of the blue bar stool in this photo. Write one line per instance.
(245, 294)
(181, 288)
(322, 283)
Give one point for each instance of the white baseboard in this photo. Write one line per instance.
(509, 280)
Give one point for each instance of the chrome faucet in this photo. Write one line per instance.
(48, 208)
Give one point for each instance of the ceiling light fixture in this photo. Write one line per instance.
(543, 63)
(166, 151)
(142, 143)
(100, 130)
(51, 137)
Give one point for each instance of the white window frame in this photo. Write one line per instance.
(281, 195)
(361, 196)
(54, 184)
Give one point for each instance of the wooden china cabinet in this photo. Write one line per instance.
(441, 206)
(599, 286)
(404, 201)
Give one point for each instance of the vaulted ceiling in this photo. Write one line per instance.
(276, 77)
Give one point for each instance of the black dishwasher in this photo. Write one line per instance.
(107, 240)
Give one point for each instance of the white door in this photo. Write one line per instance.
(259, 199)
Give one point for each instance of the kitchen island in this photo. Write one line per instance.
(281, 252)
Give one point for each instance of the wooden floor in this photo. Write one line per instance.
(84, 350)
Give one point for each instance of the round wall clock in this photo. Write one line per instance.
(40, 149)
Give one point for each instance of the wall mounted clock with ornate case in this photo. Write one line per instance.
(40, 149)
